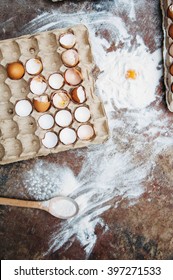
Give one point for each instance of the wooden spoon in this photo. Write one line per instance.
(60, 207)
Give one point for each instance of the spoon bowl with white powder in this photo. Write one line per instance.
(61, 207)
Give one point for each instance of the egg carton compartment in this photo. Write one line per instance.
(167, 12)
(21, 137)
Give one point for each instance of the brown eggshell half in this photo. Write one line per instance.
(170, 31)
(41, 106)
(170, 11)
(75, 95)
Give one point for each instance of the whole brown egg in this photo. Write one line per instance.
(15, 70)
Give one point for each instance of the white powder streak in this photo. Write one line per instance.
(112, 169)
(124, 5)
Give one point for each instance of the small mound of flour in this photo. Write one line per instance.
(133, 91)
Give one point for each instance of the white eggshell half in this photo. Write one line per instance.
(23, 108)
(85, 132)
(46, 121)
(56, 81)
(67, 40)
(63, 118)
(67, 136)
(73, 77)
(70, 58)
(50, 140)
(34, 66)
(60, 100)
(82, 114)
(38, 85)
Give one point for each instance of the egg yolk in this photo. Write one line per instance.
(131, 74)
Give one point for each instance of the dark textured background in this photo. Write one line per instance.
(142, 231)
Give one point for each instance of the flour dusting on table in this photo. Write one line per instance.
(119, 168)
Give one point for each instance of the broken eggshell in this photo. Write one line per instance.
(41, 103)
(23, 108)
(170, 31)
(46, 121)
(85, 132)
(78, 95)
(70, 58)
(82, 114)
(56, 81)
(60, 99)
(73, 77)
(63, 118)
(170, 11)
(34, 66)
(38, 85)
(50, 140)
(67, 40)
(67, 136)
(171, 69)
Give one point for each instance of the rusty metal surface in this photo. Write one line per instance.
(140, 231)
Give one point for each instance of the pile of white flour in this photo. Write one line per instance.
(131, 93)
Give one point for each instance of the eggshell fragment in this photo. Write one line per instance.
(60, 99)
(41, 103)
(34, 66)
(70, 58)
(82, 114)
(23, 108)
(15, 70)
(63, 118)
(78, 95)
(73, 77)
(170, 31)
(46, 121)
(85, 132)
(170, 11)
(38, 85)
(67, 136)
(56, 81)
(171, 69)
(67, 40)
(50, 140)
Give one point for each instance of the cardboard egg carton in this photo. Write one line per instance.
(21, 137)
(168, 51)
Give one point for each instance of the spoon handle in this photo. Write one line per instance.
(20, 203)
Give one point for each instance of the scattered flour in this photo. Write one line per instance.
(111, 171)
